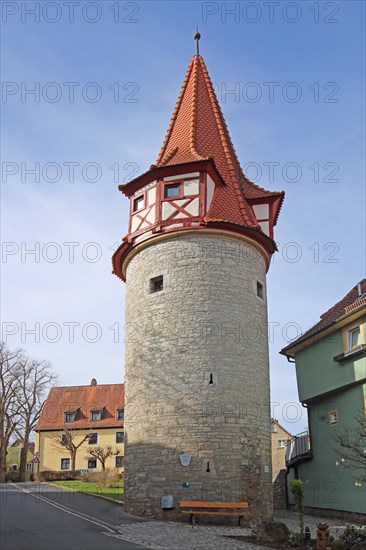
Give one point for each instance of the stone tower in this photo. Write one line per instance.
(195, 258)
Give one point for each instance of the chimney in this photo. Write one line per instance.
(93, 382)
(359, 289)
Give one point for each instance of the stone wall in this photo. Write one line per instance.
(197, 376)
(279, 491)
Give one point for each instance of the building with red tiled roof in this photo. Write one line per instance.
(198, 247)
(94, 413)
(330, 362)
(198, 142)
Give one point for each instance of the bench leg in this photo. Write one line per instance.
(192, 520)
(239, 521)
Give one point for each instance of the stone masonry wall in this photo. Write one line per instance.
(208, 324)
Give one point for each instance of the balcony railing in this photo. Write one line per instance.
(298, 449)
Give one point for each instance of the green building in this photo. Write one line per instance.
(13, 460)
(331, 377)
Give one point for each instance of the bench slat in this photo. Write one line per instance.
(237, 514)
(201, 504)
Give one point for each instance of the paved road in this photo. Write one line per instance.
(44, 517)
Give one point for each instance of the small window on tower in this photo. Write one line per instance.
(260, 292)
(172, 190)
(156, 284)
(138, 203)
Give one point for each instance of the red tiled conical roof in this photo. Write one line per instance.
(198, 131)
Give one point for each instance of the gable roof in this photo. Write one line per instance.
(356, 298)
(198, 132)
(274, 421)
(82, 400)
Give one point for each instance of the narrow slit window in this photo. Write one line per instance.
(157, 284)
(260, 290)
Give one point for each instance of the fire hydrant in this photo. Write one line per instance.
(322, 535)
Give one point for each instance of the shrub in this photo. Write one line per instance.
(353, 534)
(49, 475)
(297, 487)
(295, 538)
(338, 545)
(12, 476)
(110, 478)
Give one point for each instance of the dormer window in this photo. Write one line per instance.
(120, 414)
(70, 416)
(96, 415)
(171, 190)
(138, 203)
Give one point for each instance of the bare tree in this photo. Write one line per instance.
(101, 454)
(35, 380)
(352, 447)
(67, 439)
(9, 401)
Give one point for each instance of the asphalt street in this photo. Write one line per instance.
(45, 517)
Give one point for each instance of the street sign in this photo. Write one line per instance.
(36, 460)
(36, 453)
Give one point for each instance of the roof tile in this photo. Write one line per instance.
(198, 131)
(82, 399)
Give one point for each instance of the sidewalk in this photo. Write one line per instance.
(159, 535)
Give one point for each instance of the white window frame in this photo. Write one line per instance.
(99, 413)
(349, 337)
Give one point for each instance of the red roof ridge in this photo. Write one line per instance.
(332, 315)
(345, 299)
(228, 148)
(282, 428)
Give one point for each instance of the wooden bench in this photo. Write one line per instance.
(195, 507)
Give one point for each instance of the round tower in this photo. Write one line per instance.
(200, 239)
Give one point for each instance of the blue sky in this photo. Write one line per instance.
(127, 68)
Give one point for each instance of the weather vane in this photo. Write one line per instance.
(197, 36)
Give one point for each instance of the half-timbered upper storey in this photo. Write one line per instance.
(197, 181)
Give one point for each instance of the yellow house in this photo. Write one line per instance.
(76, 420)
(280, 436)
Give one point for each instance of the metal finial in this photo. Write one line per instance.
(197, 36)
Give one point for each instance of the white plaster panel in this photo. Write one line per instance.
(210, 191)
(144, 224)
(151, 215)
(148, 186)
(181, 202)
(193, 208)
(261, 211)
(134, 223)
(265, 227)
(142, 237)
(151, 196)
(167, 210)
(173, 225)
(182, 176)
(191, 187)
(180, 215)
